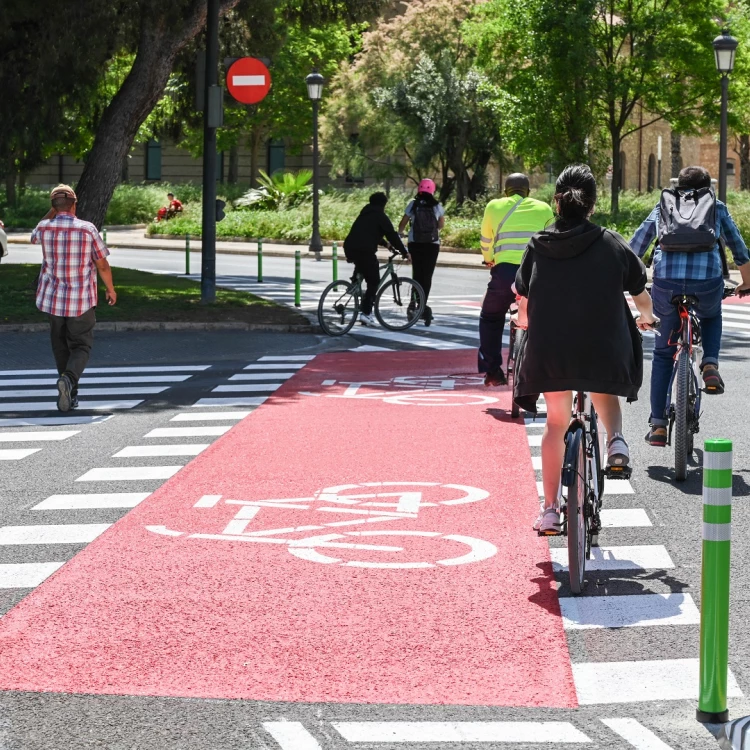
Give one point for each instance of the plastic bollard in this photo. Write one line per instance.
(260, 261)
(335, 262)
(187, 255)
(297, 278)
(104, 235)
(717, 532)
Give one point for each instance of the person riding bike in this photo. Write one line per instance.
(508, 224)
(370, 229)
(580, 333)
(426, 218)
(696, 273)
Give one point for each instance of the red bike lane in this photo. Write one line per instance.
(346, 542)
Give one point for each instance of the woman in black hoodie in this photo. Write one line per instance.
(581, 334)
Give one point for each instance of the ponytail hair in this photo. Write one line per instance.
(575, 192)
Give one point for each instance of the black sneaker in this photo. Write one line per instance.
(427, 316)
(64, 388)
(496, 378)
(712, 381)
(74, 402)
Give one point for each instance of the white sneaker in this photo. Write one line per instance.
(366, 320)
(618, 453)
(550, 524)
(538, 523)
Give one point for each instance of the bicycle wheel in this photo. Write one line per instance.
(338, 308)
(681, 437)
(399, 304)
(515, 341)
(576, 510)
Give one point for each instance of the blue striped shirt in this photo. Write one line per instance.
(694, 266)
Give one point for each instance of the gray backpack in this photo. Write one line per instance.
(687, 220)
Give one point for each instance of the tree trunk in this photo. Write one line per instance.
(675, 144)
(256, 139)
(745, 162)
(615, 187)
(234, 165)
(10, 186)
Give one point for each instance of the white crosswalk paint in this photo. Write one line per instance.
(236, 401)
(92, 500)
(635, 734)
(280, 366)
(128, 473)
(611, 487)
(636, 610)
(291, 735)
(407, 338)
(100, 381)
(170, 432)
(110, 370)
(613, 518)
(69, 533)
(85, 405)
(641, 681)
(542, 732)
(26, 575)
(209, 415)
(534, 440)
(368, 348)
(182, 449)
(28, 437)
(247, 388)
(646, 557)
(46, 393)
(53, 421)
(289, 358)
(16, 454)
(263, 376)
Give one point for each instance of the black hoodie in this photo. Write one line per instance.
(581, 333)
(369, 230)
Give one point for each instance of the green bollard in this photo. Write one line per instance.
(260, 261)
(187, 255)
(297, 278)
(335, 261)
(717, 532)
(104, 235)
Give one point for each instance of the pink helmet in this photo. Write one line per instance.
(426, 186)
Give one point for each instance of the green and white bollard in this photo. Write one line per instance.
(335, 252)
(297, 278)
(717, 533)
(104, 235)
(187, 255)
(260, 261)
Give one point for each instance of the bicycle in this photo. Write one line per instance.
(510, 369)
(683, 412)
(399, 301)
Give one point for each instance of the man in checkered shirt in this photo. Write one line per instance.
(73, 252)
(700, 275)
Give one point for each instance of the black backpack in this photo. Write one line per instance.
(425, 223)
(687, 220)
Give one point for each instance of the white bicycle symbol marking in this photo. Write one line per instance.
(382, 505)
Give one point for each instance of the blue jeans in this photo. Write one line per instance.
(497, 302)
(709, 294)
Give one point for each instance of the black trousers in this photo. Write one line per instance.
(367, 264)
(72, 339)
(424, 257)
(497, 301)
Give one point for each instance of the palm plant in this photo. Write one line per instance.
(278, 191)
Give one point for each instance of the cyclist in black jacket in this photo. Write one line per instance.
(371, 228)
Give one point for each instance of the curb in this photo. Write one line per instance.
(108, 227)
(136, 325)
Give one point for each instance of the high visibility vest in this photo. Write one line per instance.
(508, 225)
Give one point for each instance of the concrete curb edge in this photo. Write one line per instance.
(136, 325)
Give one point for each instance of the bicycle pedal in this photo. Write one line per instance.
(618, 472)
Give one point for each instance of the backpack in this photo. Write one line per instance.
(687, 220)
(425, 223)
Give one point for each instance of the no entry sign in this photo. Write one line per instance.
(248, 80)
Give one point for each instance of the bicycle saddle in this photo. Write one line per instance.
(684, 299)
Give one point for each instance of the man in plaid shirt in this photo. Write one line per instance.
(700, 275)
(73, 252)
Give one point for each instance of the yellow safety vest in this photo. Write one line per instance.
(508, 225)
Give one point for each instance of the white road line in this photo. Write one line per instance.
(635, 734)
(466, 333)
(637, 610)
(26, 575)
(263, 376)
(209, 415)
(52, 421)
(92, 500)
(52, 405)
(646, 557)
(291, 358)
(614, 518)
(69, 533)
(406, 338)
(542, 732)
(368, 348)
(169, 432)
(108, 370)
(247, 388)
(237, 401)
(128, 473)
(44, 393)
(291, 735)
(183, 449)
(280, 366)
(611, 487)
(641, 681)
(534, 440)
(16, 454)
(28, 437)
(100, 381)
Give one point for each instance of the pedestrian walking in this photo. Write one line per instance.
(426, 217)
(72, 252)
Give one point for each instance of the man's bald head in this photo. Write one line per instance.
(517, 184)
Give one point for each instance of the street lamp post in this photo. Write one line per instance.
(725, 47)
(315, 83)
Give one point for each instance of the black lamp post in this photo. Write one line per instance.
(725, 47)
(315, 83)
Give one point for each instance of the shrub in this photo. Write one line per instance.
(280, 191)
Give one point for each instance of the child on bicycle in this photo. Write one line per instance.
(581, 335)
(371, 228)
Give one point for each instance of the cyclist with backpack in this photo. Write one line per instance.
(427, 218)
(688, 259)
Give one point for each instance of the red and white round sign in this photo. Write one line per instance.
(248, 80)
